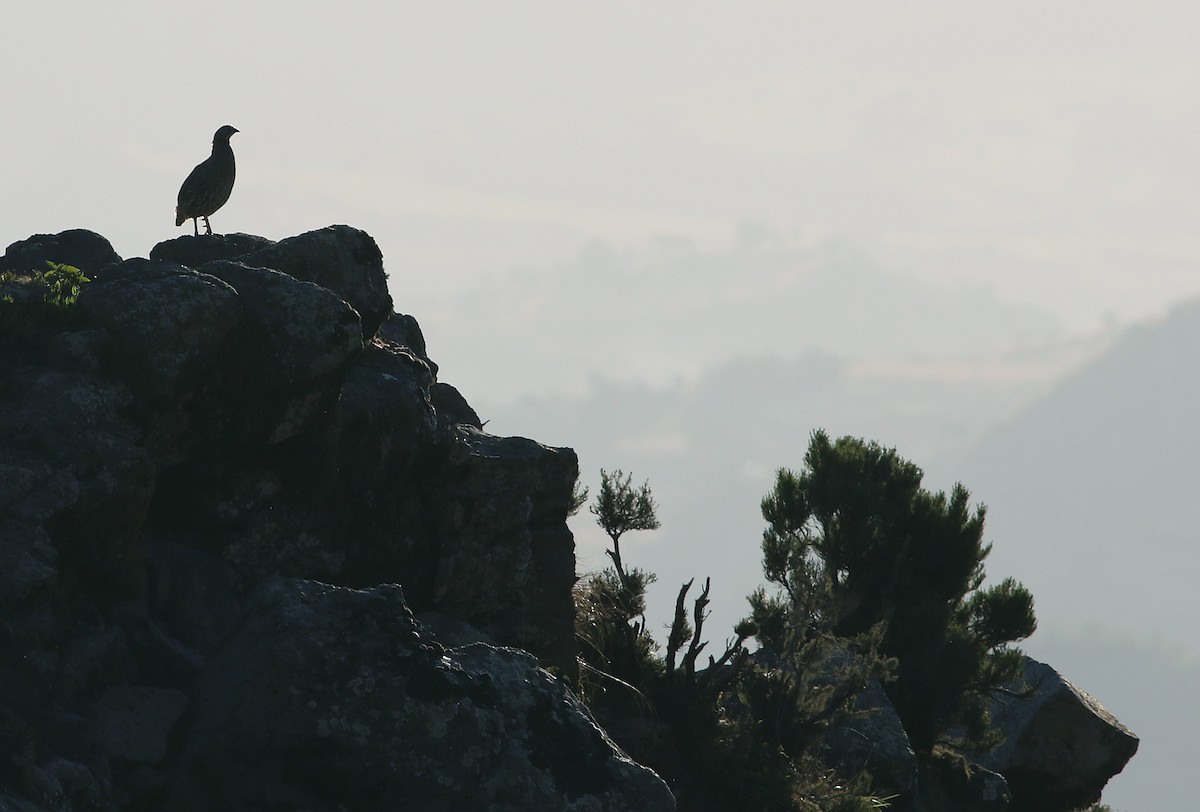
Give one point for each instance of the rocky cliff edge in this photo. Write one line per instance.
(231, 488)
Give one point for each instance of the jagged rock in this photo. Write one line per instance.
(873, 739)
(183, 435)
(86, 250)
(506, 551)
(1060, 747)
(403, 330)
(340, 258)
(450, 403)
(343, 259)
(329, 698)
(950, 784)
(452, 632)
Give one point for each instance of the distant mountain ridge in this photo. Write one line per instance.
(1099, 477)
(1092, 493)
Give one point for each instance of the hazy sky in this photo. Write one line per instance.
(1045, 151)
(706, 180)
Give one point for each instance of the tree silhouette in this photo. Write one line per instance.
(854, 543)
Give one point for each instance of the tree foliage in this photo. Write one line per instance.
(727, 733)
(854, 545)
(870, 577)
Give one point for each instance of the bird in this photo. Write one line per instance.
(209, 184)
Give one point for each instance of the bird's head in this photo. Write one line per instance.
(224, 134)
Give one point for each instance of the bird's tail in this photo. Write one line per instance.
(179, 216)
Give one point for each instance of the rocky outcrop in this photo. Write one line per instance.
(949, 783)
(227, 476)
(1060, 745)
(873, 739)
(327, 698)
(341, 259)
(1058, 749)
(79, 247)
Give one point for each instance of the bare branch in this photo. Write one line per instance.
(698, 616)
(681, 630)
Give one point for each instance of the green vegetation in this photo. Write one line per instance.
(35, 303)
(60, 284)
(733, 734)
(857, 547)
(871, 577)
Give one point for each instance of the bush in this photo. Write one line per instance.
(856, 547)
(36, 303)
(729, 734)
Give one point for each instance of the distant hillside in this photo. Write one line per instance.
(1092, 493)
(669, 309)
(1093, 488)
(710, 448)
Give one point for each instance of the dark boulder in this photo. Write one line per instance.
(169, 325)
(86, 250)
(181, 438)
(873, 739)
(299, 331)
(403, 330)
(507, 556)
(450, 403)
(1060, 745)
(330, 699)
(193, 251)
(343, 259)
(954, 784)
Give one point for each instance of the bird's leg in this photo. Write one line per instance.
(196, 226)
(207, 227)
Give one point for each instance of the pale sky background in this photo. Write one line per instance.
(975, 197)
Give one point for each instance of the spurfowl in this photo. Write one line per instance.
(209, 185)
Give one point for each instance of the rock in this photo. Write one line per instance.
(1061, 746)
(296, 338)
(194, 251)
(329, 698)
(506, 553)
(297, 331)
(343, 259)
(450, 403)
(404, 331)
(873, 739)
(86, 250)
(88, 486)
(169, 324)
(953, 784)
(135, 721)
(181, 436)
(192, 592)
(451, 632)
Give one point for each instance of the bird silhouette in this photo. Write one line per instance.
(208, 186)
